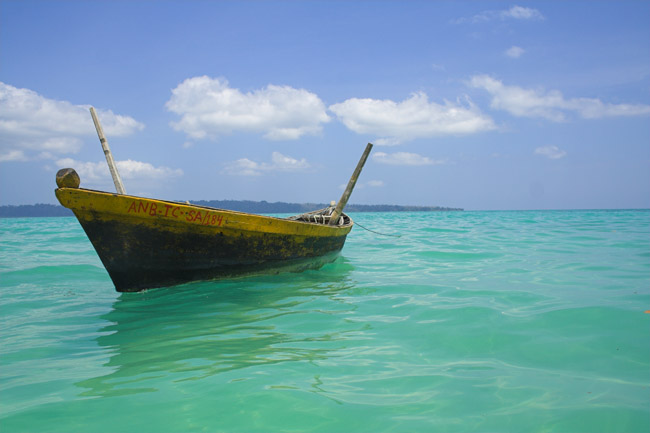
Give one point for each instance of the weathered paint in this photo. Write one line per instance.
(145, 243)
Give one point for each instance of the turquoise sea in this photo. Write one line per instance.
(469, 322)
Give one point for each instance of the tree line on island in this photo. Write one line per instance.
(264, 207)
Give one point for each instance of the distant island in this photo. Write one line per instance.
(264, 207)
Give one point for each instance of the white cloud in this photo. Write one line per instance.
(404, 158)
(97, 173)
(31, 124)
(279, 162)
(514, 13)
(551, 152)
(521, 13)
(209, 108)
(130, 169)
(363, 185)
(243, 167)
(415, 117)
(515, 52)
(13, 155)
(550, 104)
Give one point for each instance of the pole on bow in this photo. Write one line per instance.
(107, 152)
(334, 219)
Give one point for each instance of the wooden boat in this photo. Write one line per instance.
(146, 243)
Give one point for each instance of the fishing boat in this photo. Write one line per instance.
(146, 243)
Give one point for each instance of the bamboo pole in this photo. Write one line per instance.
(348, 190)
(107, 152)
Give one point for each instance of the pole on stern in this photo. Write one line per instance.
(334, 219)
(107, 152)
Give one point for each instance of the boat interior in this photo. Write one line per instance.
(322, 216)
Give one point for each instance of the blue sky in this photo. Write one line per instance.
(480, 105)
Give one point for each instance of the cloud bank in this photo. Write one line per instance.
(32, 125)
(415, 117)
(210, 108)
(551, 105)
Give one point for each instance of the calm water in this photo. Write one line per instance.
(474, 321)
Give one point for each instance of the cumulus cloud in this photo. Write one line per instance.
(551, 152)
(97, 173)
(404, 158)
(279, 162)
(210, 108)
(415, 117)
(32, 125)
(550, 104)
(514, 13)
(515, 52)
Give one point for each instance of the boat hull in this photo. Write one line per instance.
(145, 243)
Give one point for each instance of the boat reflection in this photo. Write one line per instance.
(207, 328)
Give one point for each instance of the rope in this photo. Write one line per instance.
(372, 231)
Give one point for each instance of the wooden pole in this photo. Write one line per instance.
(107, 152)
(334, 219)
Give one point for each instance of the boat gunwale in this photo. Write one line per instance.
(91, 192)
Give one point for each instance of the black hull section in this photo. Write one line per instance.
(138, 256)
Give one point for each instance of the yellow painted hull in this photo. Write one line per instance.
(145, 243)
